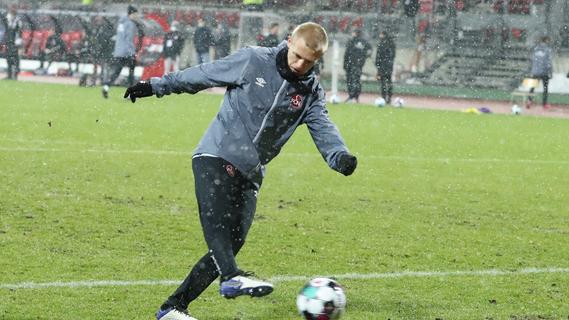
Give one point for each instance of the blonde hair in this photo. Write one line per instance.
(314, 36)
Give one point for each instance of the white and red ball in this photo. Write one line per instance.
(398, 102)
(379, 102)
(321, 299)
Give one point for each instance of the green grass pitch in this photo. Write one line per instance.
(474, 207)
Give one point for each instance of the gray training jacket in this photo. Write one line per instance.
(260, 109)
(124, 41)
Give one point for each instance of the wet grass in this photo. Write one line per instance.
(95, 189)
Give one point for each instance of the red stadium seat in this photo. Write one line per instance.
(423, 25)
(358, 23)
(27, 36)
(344, 24)
(221, 17)
(332, 24)
(319, 20)
(519, 6)
(233, 20)
(518, 33)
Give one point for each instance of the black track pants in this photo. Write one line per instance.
(116, 65)
(386, 87)
(353, 81)
(226, 202)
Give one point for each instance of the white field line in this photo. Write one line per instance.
(307, 154)
(290, 278)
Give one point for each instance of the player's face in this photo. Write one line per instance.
(301, 58)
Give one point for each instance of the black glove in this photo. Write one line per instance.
(347, 163)
(140, 90)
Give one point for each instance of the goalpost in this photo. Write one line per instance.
(334, 98)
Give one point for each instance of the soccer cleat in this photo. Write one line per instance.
(243, 284)
(173, 314)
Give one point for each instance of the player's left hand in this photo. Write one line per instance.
(347, 163)
(140, 90)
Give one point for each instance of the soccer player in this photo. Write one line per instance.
(384, 60)
(541, 68)
(124, 53)
(13, 42)
(270, 92)
(357, 52)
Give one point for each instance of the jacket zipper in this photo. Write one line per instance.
(264, 123)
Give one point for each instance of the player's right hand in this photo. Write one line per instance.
(140, 90)
(347, 163)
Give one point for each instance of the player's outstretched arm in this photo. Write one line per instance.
(140, 90)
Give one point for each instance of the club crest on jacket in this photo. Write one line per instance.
(296, 102)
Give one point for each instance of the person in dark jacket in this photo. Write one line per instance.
(272, 39)
(124, 53)
(203, 40)
(270, 92)
(384, 60)
(55, 50)
(222, 41)
(410, 8)
(13, 42)
(357, 52)
(173, 45)
(101, 48)
(541, 67)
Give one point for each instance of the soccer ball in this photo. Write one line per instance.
(379, 102)
(321, 299)
(398, 102)
(516, 109)
(334, 99)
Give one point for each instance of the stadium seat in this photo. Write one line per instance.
(319, 20)
(220, 17)
(423, 26)
(27, 36)
(358, 23)
(233, 20)
(344, 24)
(332, 25)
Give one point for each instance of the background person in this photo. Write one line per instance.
(101, 48)
(124, 53)
(541, 68)
(55, 50)
(203, 40)
(272, 39)
(173, 45)
(13, 42)
(384, 60)
(247, 133)
(222, 40)
(357, 52)
(418, 54)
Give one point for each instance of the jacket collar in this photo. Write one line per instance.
(304, 84)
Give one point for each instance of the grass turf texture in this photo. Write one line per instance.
(96, 189)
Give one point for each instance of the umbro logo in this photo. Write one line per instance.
(260, 82)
